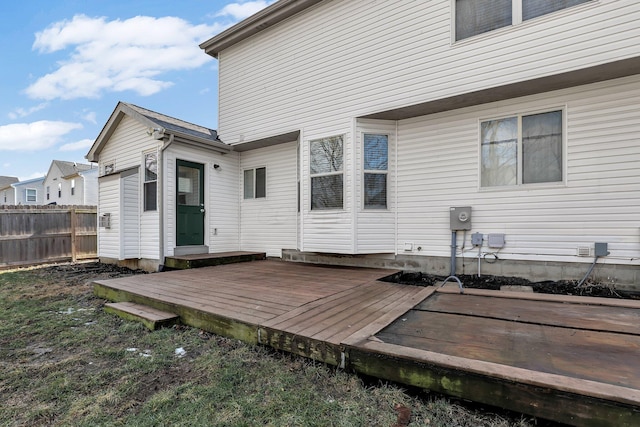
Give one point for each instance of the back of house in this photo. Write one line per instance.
(386, 132)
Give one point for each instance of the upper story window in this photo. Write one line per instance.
(32, 195)
(48, 191)
(522, 149)
(73, 187)
(151, 181)
(475, 17)
(255, 183)
(375, 166)
(326, 170)
(59, 190)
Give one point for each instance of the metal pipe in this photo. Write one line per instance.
(589, 272)
(453, 253)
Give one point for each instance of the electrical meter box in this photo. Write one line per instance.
(460, 218)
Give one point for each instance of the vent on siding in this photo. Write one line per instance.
(105, 221)
(584, 251)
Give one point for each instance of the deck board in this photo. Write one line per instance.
(571, 359)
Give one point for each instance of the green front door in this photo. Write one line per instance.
(190, 203)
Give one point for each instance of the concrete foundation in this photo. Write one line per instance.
(149, 265)
(623, 277)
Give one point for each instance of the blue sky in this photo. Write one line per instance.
(67, 63)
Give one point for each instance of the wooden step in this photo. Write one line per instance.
(184, 262)
(151, 317)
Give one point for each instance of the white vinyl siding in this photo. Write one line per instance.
(269, 224)
(375, 228)
(317, 67)
(222, 220)
(109, 203)
(125, 149)
(598, 203)
(130, 205)
(315, 72)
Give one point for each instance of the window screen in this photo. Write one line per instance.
(479, 16)
(326, 163)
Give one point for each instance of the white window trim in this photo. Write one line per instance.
(26, 195)
(364, 171)
(520, 185)
(341, 172)
(145, 181)
(516, 19)
(266, 178)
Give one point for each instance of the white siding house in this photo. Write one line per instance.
(393, 112)
(7, 192)
(71, 183)
(160, 177)
(29, 192)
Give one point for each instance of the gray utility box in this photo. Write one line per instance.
(460, 218)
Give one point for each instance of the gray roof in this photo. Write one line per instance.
(159, 126)
(172, 124)
(71, 168)
(6, 181)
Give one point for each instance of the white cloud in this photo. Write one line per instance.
(83, 144)
(34, 136)
(90, 116)
(21, 112)
(243, 10)
(119, 55)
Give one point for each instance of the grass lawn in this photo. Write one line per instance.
(63, 361)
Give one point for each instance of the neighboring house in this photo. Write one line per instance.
(375, 118)
(70, 183)
(29, 192)
(7, 192)
(167, 187)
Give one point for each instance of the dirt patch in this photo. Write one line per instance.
(561, 287)
(59, 280)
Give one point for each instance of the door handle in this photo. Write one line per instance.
(202, 210)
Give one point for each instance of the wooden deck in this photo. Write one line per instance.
(570, 359)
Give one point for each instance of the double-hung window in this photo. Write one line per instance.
(375, 166)
(473, 17)
(326, 170)
(73, 187)
(32, 195)
(255, 183)
(522, 149)
(151, 181)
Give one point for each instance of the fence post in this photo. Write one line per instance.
(74, 224)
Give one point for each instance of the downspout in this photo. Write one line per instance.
(395, 190)
(161, 208)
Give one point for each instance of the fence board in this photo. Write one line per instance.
(39, 234)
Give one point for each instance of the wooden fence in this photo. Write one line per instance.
(40, 234)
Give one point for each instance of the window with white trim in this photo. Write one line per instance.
(326, 171)
(48, 191)
(375, 167)
(255, 183)
(151, 181)
(522, 149)
(32, 195)
(473, 17)
(59, 190)
(73, 187)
